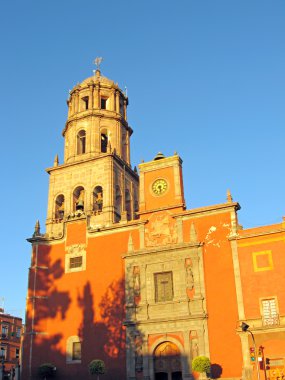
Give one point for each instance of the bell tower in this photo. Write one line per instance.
(96, 179)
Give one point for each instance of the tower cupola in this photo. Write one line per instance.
(97, 120)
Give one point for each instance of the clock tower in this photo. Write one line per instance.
(161, 184)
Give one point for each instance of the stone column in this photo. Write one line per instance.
(186, 363)
(117, 102)
(76, 101)
(146, 361)
(90, 105)
(125, 109)
(96, 96)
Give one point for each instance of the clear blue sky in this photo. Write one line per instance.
(205, 78)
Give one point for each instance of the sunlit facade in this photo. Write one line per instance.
(126, 274)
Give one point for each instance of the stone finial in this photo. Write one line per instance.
(37, 231)
(175, 153)
(229, 196)
(130, 244)
(193, 234)
(55, 161)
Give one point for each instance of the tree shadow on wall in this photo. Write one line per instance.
(44, 302)
(216, 371)
(103, 335)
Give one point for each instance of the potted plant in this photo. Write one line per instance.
(202, 365)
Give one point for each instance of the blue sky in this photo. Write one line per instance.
(205, 78)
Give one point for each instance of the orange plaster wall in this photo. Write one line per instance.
(74, 299)
(76, 233)
(262, 284)
(225, 347)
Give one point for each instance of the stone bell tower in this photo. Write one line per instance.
(96, 179)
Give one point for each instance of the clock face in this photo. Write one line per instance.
(159, 186)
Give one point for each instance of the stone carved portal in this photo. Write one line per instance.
(167, 362)
(160, 230)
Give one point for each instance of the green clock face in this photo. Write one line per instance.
(159, 186)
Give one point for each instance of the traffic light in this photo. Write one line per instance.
(252, 354)
(260, 357)
(267, 363)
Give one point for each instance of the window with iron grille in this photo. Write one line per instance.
(18, 332)
(163, 286)
(75, 262)
(269, 312)
(76, 351)
(4, 331)
(3, 352)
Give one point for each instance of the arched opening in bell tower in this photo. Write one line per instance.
(59, 207)
(81, 142)
(104, 141)
(118, 203)
(98, 200)
(167, 362)
(78, 199)
(128, 204)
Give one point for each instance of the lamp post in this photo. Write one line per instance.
(245, 328)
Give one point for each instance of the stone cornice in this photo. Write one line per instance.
(168, 320)
(256, 234)
(89, 159)
(98, 113)
(161, 249)
(207, 209)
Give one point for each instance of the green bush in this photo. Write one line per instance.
(201, 364)
(46, 371)
(97, 367)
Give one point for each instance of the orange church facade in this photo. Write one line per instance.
(126, 274)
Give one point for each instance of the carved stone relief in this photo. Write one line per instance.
(161, 230)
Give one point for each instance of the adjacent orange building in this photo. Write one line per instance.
(10, 343)
(126, 274)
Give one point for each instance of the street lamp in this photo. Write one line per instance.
(245, 328)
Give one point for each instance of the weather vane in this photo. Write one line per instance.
(97, 61)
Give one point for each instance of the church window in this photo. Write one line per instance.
(128, 204)
(73, 349)
(81, 142)
(98, 199)
(78, 199)
(118, 202)
(104, 142)
(75, 258)
(75, 262)
(76, 351)
(85, 102)
(269, 312)
(59, 207)
(103, 103)
(163, 286)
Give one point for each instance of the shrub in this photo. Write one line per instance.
(46, 371)
(201, 364)
(97, 367)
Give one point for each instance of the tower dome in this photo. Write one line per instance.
(97, 120)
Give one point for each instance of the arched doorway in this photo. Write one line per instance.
(167, 362)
